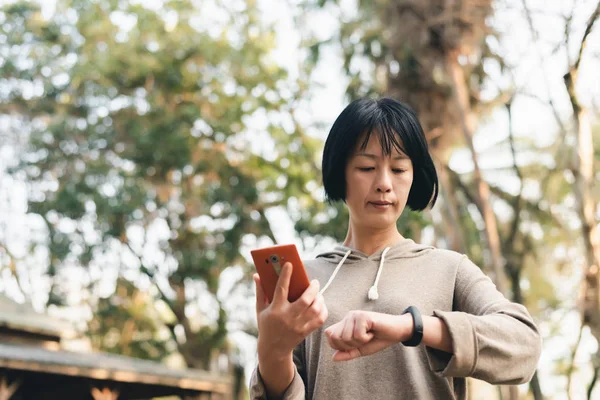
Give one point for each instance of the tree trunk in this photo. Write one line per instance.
(583, 171)
(450, 211)
(535, 387)
(461, 97)
(509, 392)
(590, 389)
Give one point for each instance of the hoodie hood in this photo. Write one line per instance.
(406, 248)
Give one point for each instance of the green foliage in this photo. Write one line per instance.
(127, 323)
(136, 116)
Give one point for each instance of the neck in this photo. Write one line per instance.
(370, 241)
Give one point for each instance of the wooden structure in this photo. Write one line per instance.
(33, 365)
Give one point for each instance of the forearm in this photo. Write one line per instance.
(277, 373)
(499, 348)
(436, 334)
(400, 328)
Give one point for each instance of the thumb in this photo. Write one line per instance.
(261, 298)
(283, 284)
(346, 355)
(369, 348)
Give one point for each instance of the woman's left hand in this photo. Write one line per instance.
(362, 333)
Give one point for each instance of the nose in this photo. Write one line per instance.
(384, 183)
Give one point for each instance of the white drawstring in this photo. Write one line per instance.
(335, 272)
(373, 294)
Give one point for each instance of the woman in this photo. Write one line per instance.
(395, 319)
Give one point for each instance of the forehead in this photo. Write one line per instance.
(373, 146)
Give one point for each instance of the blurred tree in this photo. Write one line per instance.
(127, 323)
(157, 140)
(582, 168)
(431, 54)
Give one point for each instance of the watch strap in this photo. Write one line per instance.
(417, 335)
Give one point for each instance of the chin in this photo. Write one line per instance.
(379, 222)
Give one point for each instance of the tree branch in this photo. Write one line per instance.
(162, 294)
(13, 267)
(571, 368)
(518, 201)
(535, 37)
(594, 379)
(588, 30)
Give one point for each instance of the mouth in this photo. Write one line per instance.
(381, 205)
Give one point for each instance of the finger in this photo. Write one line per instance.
(361, 334)
(307, 298)
(347, 343)
(261, 299)
(314, 309)
(330, 341)
(283, 284)
(315, 316)
(334, 337)
(333, 328)
(348, 331)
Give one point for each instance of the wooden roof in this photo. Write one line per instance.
(23, 318)
(107, 367)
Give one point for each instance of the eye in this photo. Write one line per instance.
(366, 169)
(398, 171)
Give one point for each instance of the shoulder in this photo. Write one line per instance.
(459, 265)
(447, 265)
(444, 257)
(316, 268)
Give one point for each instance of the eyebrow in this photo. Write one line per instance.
(400, 156)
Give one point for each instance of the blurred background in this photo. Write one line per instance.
(147, 146)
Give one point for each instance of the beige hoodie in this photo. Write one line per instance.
(493, 339)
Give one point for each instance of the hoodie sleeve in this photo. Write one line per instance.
(296, 390)
(493, 339)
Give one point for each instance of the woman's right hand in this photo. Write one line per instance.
(283, 325)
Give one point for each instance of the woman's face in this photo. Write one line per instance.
(377, 186)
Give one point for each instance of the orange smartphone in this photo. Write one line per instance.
(270, 260)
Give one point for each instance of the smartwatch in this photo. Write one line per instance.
(417, 335)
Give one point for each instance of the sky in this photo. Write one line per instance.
(538, 71)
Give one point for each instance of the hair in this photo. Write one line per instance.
(391, 120)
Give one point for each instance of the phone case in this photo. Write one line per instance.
(269, 261)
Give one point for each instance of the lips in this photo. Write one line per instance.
(381, 203)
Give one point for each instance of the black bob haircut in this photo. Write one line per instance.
(391, 120)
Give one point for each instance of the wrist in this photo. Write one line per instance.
(276, 371)
(407, 325)
(269, 353)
